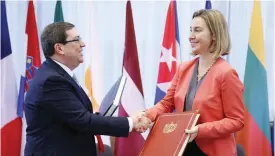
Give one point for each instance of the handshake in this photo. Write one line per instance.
(140, 122)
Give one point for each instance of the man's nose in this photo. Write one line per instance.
(82, 44)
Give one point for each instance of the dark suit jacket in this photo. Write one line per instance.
(59, 116)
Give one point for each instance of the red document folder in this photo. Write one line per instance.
(167, 136)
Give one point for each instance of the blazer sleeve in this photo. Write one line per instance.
(233, 107)
(167, 103)
(60, 100)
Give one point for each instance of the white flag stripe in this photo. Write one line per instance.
(93, 55)
(132, 100)
(164, 86)
(8, 91)
(93, 59)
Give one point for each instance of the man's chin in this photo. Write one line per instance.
(81, 60)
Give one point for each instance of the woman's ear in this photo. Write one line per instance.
(213, 37)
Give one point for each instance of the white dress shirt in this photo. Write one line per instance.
(70, 72)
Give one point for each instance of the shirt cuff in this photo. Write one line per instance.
(130, 124)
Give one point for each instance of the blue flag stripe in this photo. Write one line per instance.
(5, 37)
(159, 95)
(273, 136)
(177, 25)
(179, 56)
(20, 102)
(208, 4)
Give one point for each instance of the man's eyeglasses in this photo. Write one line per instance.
(74, 40)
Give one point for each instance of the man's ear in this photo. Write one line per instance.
(59, 49)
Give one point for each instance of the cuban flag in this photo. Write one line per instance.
(170, 48)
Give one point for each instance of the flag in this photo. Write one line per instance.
(58, 14)
(255, 136)
(208, 4)
(93, 66)
(11, 123)
(273, 134)
(33, 62)
(168, 58)
(132, 98)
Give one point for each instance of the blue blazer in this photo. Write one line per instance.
(60, 119)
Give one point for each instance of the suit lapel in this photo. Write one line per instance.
(83, 96)
(187, 75)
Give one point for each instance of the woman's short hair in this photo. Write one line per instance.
(217, 25)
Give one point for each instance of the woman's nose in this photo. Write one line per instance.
(192, 36)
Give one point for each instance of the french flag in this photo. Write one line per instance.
(11, 122)
(170, 48)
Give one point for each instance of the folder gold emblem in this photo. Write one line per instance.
(168, 128)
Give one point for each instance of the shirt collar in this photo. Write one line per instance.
(68, 70)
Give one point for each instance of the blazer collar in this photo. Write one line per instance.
(65, 74)
(51, 63)
(208, 77)
(188, 75)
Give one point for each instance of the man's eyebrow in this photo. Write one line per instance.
(76, 37)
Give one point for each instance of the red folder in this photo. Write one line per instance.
(167, 136)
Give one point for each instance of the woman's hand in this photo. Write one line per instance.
(193, 132)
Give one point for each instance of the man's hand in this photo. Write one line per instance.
(193, 132)
(140, 122)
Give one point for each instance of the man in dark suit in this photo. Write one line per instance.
(59, 115)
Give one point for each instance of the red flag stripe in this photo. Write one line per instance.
(169, 41)
(169, 37)
(130, 60)
(130, 145)
(31, 30)
(11, 135)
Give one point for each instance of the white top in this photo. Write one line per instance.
(68, 70)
